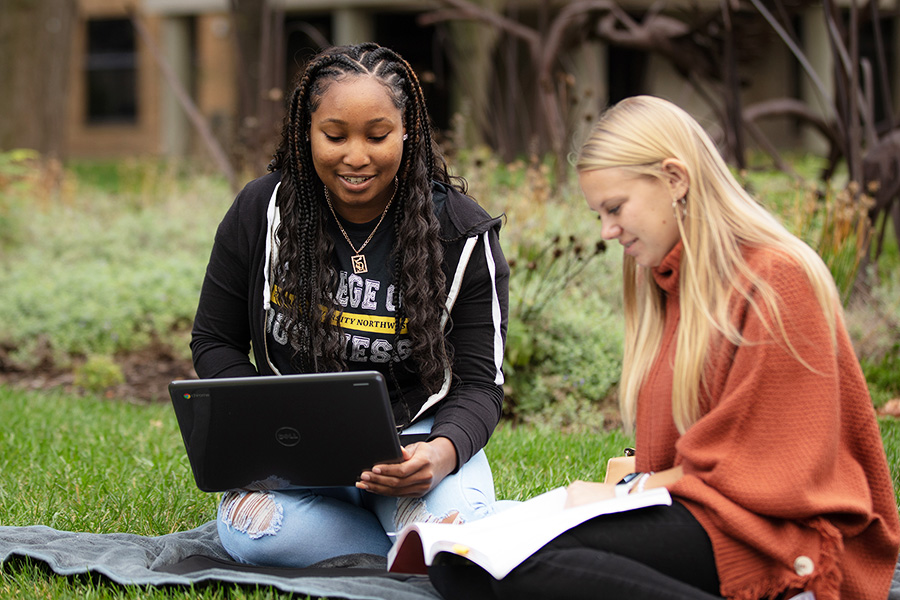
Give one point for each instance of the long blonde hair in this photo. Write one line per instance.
(721, 218)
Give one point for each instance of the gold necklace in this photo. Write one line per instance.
(358, 260)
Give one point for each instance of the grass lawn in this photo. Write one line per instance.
(88, 464)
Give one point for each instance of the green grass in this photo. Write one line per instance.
(87, 464)
(890, 436)
(529, 460)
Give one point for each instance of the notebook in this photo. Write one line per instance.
(269, 432)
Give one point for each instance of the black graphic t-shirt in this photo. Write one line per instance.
(366, 313)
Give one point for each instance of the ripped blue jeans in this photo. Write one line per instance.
(300, 527)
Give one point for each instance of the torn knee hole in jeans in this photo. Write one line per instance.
(414, 510)
(254, 513)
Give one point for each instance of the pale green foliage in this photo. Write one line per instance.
(98, 373)
(18, 175)
(97, 272)
(111, 261)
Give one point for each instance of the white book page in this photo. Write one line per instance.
(502, 541)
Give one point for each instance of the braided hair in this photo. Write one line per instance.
(306, 275)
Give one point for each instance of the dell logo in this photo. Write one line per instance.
(287, 436)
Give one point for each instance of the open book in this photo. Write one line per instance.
(500, 542)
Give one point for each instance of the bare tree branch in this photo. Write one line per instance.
(468, 11)
(798, 54)
(783, 107)
(556, 34)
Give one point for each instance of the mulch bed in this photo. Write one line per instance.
(147, 375)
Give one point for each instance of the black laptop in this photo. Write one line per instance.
(316, 430)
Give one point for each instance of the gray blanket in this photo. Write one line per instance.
(196, 556)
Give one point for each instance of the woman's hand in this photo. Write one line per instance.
(424, 465)
(585, 492)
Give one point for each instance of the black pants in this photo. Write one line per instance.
(656, 553)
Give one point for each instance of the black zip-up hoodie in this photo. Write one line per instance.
(231, 317)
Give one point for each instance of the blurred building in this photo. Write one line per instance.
(123, 102)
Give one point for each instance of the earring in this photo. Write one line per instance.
(404, 137)
(683, 202)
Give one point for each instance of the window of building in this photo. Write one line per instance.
(111, 70)
(627, 72)
(423, 48)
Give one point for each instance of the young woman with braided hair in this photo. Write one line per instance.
(356, 252)
(744, 391)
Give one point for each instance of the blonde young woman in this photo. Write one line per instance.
(742, 386)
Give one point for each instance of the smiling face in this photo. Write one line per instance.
(356, 137)
(634, 209)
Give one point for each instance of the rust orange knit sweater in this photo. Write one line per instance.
(785, 469)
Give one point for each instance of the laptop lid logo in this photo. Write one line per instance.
(287, 436)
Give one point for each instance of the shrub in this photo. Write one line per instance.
(564, 341)
(563, 350)
(98, 374)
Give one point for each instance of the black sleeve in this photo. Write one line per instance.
(220, 339)
(477, 334)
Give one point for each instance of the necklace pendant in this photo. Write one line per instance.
(359, 264)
